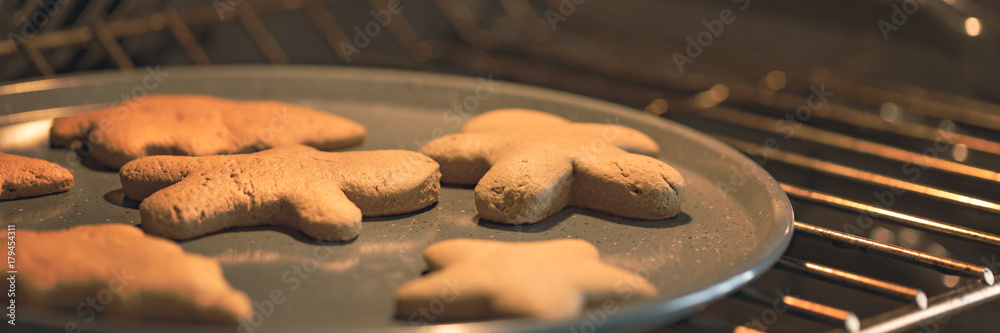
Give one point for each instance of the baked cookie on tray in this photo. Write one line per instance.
(322, 194)
(528, 164)
(480, 279)
(197, 125)
(116, 269)
(22, 176)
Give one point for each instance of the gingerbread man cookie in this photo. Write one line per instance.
(479, 279)
(528, 165)
(198, 125)
(322, 194)
(115, 269)
(27, 177)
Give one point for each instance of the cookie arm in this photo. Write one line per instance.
(143, 177)
(628, 185)
(463, 157)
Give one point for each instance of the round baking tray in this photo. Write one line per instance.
(736, 220)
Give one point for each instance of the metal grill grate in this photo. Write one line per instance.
(513, 39)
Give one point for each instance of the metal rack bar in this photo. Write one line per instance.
(818, 165)
(861, 282)
(460, 18)
(813, 134)
(843, 318)
(862, 119)
(38, 59)
(261, 35)
(905, 219)
(328, 26)
(186, 39)
(944, 265)
(947, 303)
(107, 38)
(406, 36)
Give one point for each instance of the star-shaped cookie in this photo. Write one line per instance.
(116, 269)
(478, 279)
(528, 165)
(197, 125)
(322, 194)
(22, 176)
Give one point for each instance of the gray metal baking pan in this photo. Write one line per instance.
(736, 220)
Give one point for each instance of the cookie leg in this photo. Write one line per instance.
(323, 212)
(525, 189)
(200, 205)
(628, 185)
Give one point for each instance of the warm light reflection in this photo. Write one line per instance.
(973, 27)
(883, 235)
(232, 257)
(775, 80)
(950, 281)
(909, 238)
(39, 85)
(657, 107)
(711, 97)
(960, 152)
(719, 92)
(157, 22)
(890, 112)
(25, 135)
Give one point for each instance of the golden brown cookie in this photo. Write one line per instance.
(479, 279)
(117, 270)
(322, 194)
(197, 125)
(27, 177)
(528, 165)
